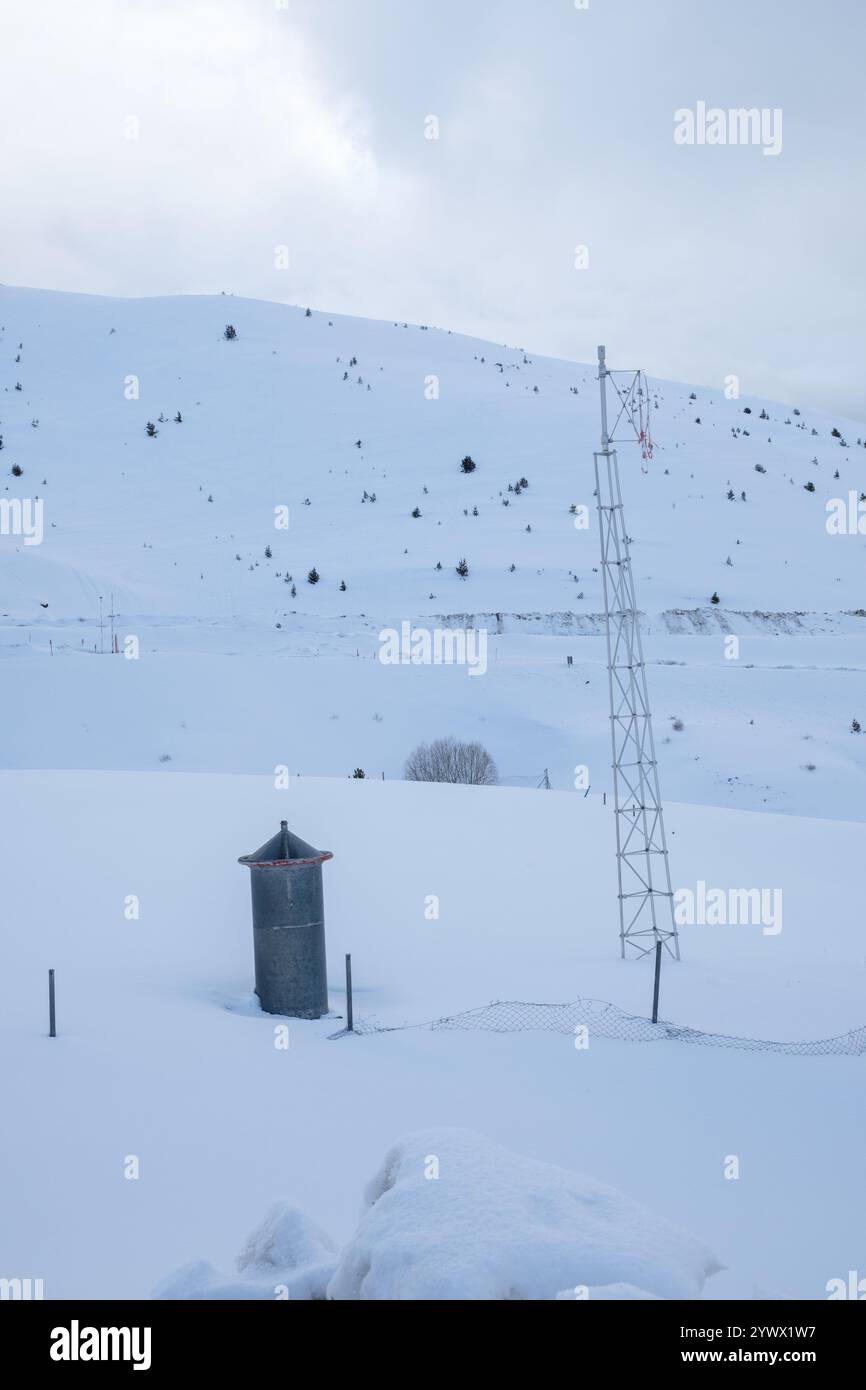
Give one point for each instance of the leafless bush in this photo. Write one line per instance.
(447, 760)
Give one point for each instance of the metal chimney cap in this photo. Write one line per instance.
(285, 851)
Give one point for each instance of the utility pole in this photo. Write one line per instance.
(646, 908)
(101, 642)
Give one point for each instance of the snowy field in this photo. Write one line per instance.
(148, 777)
(160, 1056)
(771, 731)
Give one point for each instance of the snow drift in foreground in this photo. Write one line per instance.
(493, 1224)
(452, 1215)
(287, 1256)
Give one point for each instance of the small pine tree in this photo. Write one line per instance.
(150, 430)
(17, 470)
(810, 486)
(416, 513)
(468, 464)
(342, 586)
(268, 552)
(359, 775)
(715, 599)
(313, 576)
(229, 332)
(855, 726)
(293, 592)
(178, 419)
(308, 314)
(462, 569)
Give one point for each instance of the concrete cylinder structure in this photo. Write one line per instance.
(289, 925)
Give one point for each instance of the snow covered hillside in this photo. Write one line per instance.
(274, 417)
(305, 420)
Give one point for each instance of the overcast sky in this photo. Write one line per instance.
(169, 148)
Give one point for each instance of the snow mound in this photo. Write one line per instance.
(285, 1239)
(452, 1215)
(287, 1256)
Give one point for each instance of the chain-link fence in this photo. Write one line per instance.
(607, 1021)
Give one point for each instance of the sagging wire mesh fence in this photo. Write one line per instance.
(607, 1021)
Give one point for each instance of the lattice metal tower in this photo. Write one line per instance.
(646, 909)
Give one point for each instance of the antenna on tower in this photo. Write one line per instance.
(646, 907)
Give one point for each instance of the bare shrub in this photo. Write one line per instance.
(448, 760)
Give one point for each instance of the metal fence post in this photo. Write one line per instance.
(657, 978)
(350, 1027)
(52, 1030)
